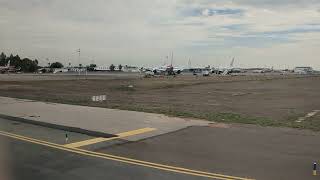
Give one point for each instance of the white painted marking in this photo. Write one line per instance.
(312, 113)
(309, 115)
(99, 98)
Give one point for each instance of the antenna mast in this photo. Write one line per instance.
(171, 58)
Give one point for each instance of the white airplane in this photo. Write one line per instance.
(169, 70)
(227, 70)
(60, 70)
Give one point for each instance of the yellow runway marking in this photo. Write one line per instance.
(120, 135)
(123, 159)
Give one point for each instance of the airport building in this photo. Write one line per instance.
(303, 70)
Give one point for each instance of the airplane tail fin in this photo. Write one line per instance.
(8, 64)
(231, 64)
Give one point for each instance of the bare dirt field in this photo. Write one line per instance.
(269, 100)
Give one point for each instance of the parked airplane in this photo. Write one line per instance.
(166, 69)
(227, 70)
(262, 70)
(60, 70)
(8, 68)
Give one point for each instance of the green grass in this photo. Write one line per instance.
(311, 124)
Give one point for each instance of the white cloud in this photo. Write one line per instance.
(145, 31)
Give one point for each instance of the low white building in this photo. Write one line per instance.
(75, 69)
(303, 70)
(102, 68)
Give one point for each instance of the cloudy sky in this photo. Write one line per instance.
(263, 33)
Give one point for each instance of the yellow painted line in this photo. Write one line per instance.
(100, 139)
(135, 132)
(123, 159)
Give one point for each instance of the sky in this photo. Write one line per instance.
(258, 33)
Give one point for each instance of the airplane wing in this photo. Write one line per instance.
(225, 72)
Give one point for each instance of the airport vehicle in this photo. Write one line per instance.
(205, 73)
(148, 74)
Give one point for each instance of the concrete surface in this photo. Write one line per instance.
(246, 151)
(42, 133)
(20, 159)
(27, 161)
(110, 121)
(237, 150)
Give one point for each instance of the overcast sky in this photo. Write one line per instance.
(263, 33)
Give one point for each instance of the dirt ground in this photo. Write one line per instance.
(269, 100)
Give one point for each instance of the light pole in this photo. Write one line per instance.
(48, 62)
(78, 51)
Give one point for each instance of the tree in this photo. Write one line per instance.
(2, 59)
(43, 70)
(91, 67)
(14, 61)
(112, 67)
(120, 67)
(56, 65)
(27, 65)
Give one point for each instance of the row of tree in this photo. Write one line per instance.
(113, 67)
(28, 65)
(91, 67)
(25, 64)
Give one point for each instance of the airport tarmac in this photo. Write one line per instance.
(220, 151)
(32, 154)
(109, 121)
(29, 161)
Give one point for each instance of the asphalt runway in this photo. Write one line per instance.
(30, 152)
(29, 161)
(221, 152)
(241, 150)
